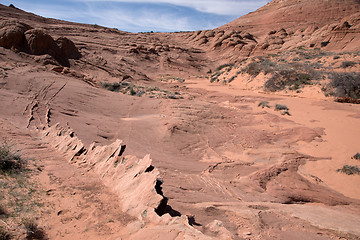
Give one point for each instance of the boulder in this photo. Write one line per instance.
(12, 34)
(40, 43)
(67, 48)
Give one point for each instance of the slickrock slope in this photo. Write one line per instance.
(165, 154)
(283, 25)
(295, 15)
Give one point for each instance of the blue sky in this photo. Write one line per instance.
(143, 15)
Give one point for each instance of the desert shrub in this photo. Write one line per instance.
(349, 170)
(285, 112)
(233, 77)
(279, 107)
(3, 211)
(215, 76)
(285, 78)
(9, 159)
(114, 87)
(264, 104)
(171, 78)
(33, 231)
(230, 65)
(253, 69)
(356, 156)
(4, 233)
(324, 44)
(346, 84)
(347, 64)
(336, 57)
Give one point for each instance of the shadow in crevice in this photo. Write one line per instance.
(192, 221)
(163, 207)
(149, 169)
(122, 150)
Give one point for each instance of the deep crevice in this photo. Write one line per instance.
(150, 168)
(122, 150)
(163, 207)
(158, 187)
(192, 221)
(81, 151)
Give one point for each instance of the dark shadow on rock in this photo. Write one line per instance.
(192, 221)
(163, 207)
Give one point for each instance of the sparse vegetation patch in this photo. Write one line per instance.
(139, 91)
(10, 161)
(172, 79)
(19, 197)
(33, 231)
(347, 64)
(215, 76)
(227, 65)
(287, 78)
(349, 170)
(346, 84)
(264, 104)
(283, 108)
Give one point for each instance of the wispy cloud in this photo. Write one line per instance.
(143, 15)
(223, 7)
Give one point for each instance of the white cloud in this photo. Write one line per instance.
(144, 15)
(224, 7)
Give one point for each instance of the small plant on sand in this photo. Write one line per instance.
(33, 231)
(285, 112)
(279, 107)
(356, 156)
(349, 170)
(264, 104)
(283, 108)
